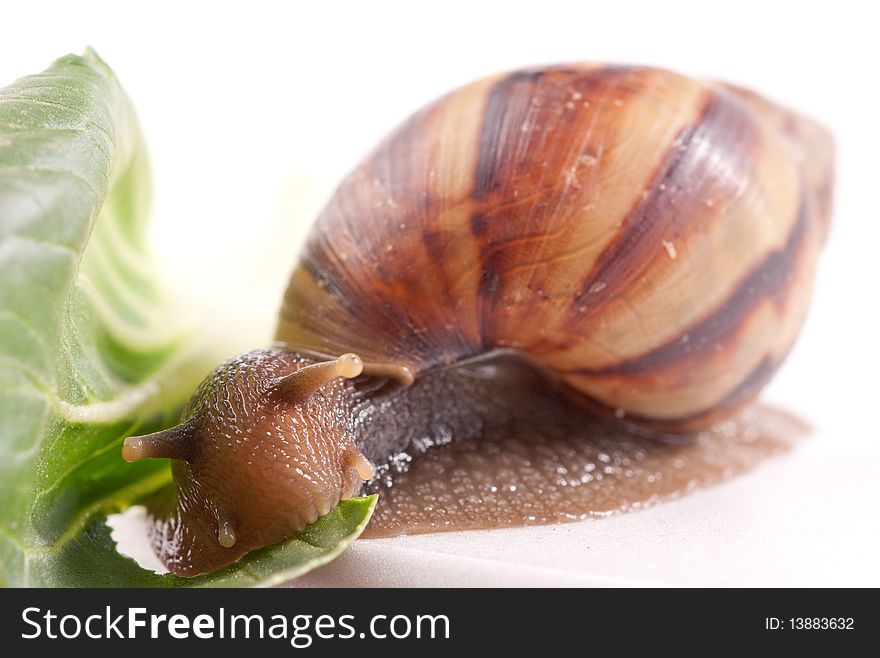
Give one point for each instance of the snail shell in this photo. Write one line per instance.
(648, 239)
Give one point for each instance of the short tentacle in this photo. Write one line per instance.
(226, 533)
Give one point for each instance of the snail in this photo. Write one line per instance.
(647, 240)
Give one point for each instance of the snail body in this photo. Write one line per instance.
(647, 240)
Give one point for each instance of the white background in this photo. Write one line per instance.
(252, 111)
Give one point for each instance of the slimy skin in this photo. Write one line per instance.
(645, 240)
(250, 463)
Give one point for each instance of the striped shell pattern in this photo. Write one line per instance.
(650, 238)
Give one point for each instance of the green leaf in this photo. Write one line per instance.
(90, 559)
(90, 350)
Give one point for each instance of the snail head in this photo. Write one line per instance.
(262, 449)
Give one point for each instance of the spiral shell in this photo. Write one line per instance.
(649, 238)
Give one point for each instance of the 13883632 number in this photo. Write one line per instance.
(821, 623)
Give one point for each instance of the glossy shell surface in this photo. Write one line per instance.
(650, 238)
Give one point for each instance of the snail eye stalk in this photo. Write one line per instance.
(173, 443)
(299, 386)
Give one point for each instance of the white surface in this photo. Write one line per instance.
(785, 525)
(253, 111)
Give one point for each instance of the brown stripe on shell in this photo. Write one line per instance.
(770, 278)
(741, 395)
(529, 123)
(744, 393)
(373, 276)
(811, 144)
(498, 117)
(380, 191)
(674, 202)
(525, 100)
(435, 243)
(317, 271)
